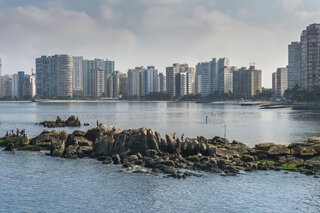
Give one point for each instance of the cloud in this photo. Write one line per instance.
(28, 32)
(155, 32)
(289, 5)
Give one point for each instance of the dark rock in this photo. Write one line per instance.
(10, 147)
(116, 159)
(247, 158)
(72, 121)
(107, 160)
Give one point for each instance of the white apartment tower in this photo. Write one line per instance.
(282, 81)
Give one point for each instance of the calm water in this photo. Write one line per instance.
(34, 182)
(248, 124)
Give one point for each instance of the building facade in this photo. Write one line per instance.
(54, 76)
(294, 64)
(310, 57)
(77, 74)
(247, 82)
(282, 81)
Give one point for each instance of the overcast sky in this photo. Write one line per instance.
(154, 32)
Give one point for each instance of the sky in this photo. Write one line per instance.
(154, 32)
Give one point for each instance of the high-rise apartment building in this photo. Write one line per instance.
(224, 76)
(15, 86)
(123, 85)
(99, 83)
(64, 67)
(77, 74)
(215, 75)
(116, 84)
(247, 82)
(183, 84)
(274, 83)
(6, 86)
(29, 86)
(89, 66)
(171, 73)
(294, 64)
(282, 81)
(310, 57)
(161, 83)
(0, 67)
(151, 79)
(134, 82)
(54, 76)
(20, 84)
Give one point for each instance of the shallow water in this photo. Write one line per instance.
(34, 182)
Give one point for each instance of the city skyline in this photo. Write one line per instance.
(121, 29)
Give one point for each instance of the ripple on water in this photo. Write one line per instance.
(34, 182)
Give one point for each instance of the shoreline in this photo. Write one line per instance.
(170, 156)
(260, 104)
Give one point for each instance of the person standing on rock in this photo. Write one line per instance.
(174, 136)
(182, 137)
(97, 123)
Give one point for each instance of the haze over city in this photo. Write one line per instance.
(154, 32)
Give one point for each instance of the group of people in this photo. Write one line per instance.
(18, 133)
(174, 137)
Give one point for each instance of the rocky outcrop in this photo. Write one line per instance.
(146, 148)
(72, 121)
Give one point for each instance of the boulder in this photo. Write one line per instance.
(73, 121)
(171, 144)
(107, 160)
(138, 141)
(58, 142)
(103, 146)
(314, 140)
(116, 159)
(71, 152)
(153, 140)
(10, 147)
(303, 151)
(264, 146)
(219, 141)
(278, 150)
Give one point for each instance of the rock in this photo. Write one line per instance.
(10, 147)
(151, 152)
(116, 159)
(303, 151)
(264, 146)
(103, 146)
(219, 141)
(278, 150)
(247, 158)
(71, 152)
(30, 148)
(223, 152)
(314, 160)
(131, 158)
(171, 144)
(314, 140)
(72, 121)
(107, 160)
(58, 142)
(168, 169)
